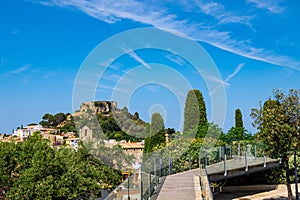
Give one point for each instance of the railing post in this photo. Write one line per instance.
(199, 159)
(170, 166)
(239, 149)
(160, 167)
(255, 152)
(246, 160)
(154, 171)
(189, 161)
(141, 185)
(128, 194)
(296, 174)
(265, 160)
(220, 154)
(225, 166)
(149, 183)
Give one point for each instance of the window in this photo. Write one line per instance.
(85, 132)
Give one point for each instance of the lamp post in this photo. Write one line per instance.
(295, 171)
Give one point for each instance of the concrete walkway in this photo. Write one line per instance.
(279, 194)
(181, 186)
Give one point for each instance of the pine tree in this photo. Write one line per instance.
(195, 114)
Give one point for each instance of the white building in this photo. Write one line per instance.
(29, 130)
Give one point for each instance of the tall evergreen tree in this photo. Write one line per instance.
(238, 133)
(238, 119)
(195, 114)
(157, 124)
(157, 134)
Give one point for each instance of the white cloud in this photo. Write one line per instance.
(270, 5)
(20, 69)
(107, 62)
(216, 80)
(137, 58)
(227, 79)
(176, 59)
(50, 74)
(106, 88)
(152, 87)
(111, 11)
(218, 11)
(236, 71)
(111, 64)
(112, 77)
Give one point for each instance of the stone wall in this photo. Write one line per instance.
(98, 107)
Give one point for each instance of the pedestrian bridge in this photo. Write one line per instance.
(161, 182)
(187, 185)
(239, 166)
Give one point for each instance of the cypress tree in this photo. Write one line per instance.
(157, 134)
(195, 114)
(238, 119)
(237, 132)
(157, 124)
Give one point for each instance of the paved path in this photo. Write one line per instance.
(181, 186)
(279, 194)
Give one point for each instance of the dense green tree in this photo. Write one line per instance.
(157, 124)
(121, 125)
(156, 138)
(52, 121)
(195, 114)
(238, 132)
(278, 123)
(171, 131)
(238, 119)
(190, 153)
(34, 170)
(136, 116)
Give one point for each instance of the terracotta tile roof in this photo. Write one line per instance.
(132, 145)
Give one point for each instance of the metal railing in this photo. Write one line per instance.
(154, 168)
(205, 185)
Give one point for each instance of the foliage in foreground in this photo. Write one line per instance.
(34, 170)
(278, 124)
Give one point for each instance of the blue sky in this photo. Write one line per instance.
(254, 44)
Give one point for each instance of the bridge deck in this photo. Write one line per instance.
(236, 167)
(181, 186)
(186, 185)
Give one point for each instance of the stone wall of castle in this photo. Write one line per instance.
(98, 107)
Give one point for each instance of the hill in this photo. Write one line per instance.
(115, 123)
